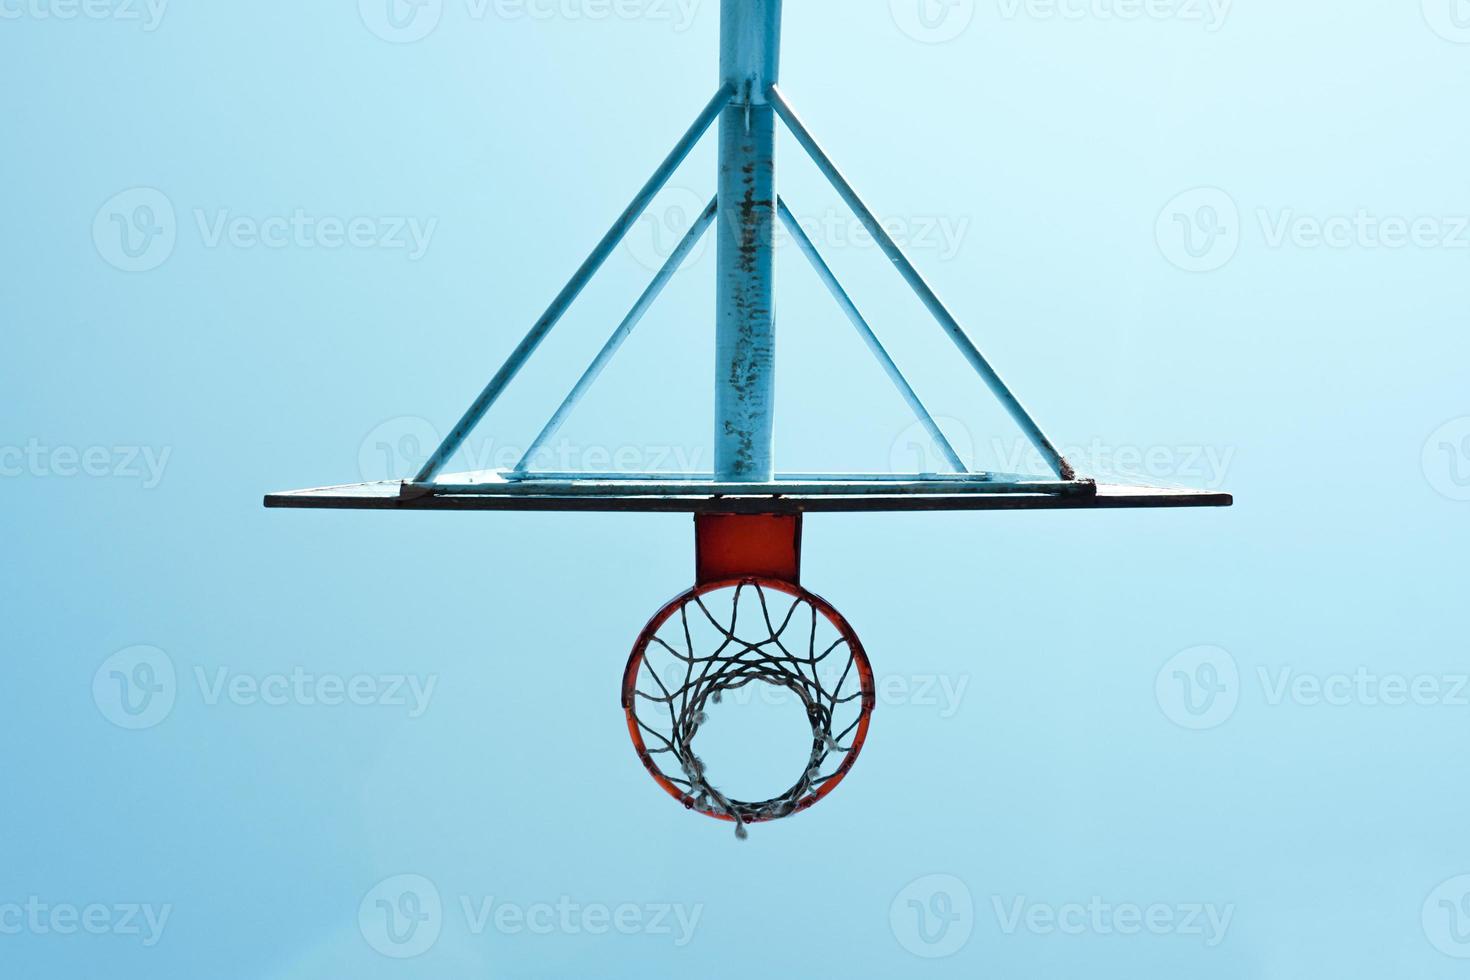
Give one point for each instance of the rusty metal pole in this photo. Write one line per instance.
(745, 342)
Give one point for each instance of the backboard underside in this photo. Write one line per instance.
(746, 109)
(788, 496)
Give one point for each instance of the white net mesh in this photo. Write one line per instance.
(716, 644)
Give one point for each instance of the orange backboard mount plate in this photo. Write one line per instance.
(735, 546)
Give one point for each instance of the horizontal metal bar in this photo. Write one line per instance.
(636, 488)
(389, 496)
(905, 390)
(699, 478)
(615, 342)
(574, 287)
(925, 292)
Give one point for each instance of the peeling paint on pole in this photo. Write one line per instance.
(745, 344)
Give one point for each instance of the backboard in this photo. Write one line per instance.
(797, 495)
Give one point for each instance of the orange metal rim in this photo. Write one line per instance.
(860, 662)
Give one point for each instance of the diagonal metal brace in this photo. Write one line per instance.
(917, 283)
(573, 289)
(630, 322)
(829, 278)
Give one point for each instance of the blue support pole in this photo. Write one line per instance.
(573, 289)
(925, 292)
(745, 339)
(615, 342)
(829, 279)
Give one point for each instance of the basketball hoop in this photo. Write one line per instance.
(757, 627)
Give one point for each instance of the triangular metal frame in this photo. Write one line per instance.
(749, 103)
(522, 354)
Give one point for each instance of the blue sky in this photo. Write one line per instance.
(256, 247)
